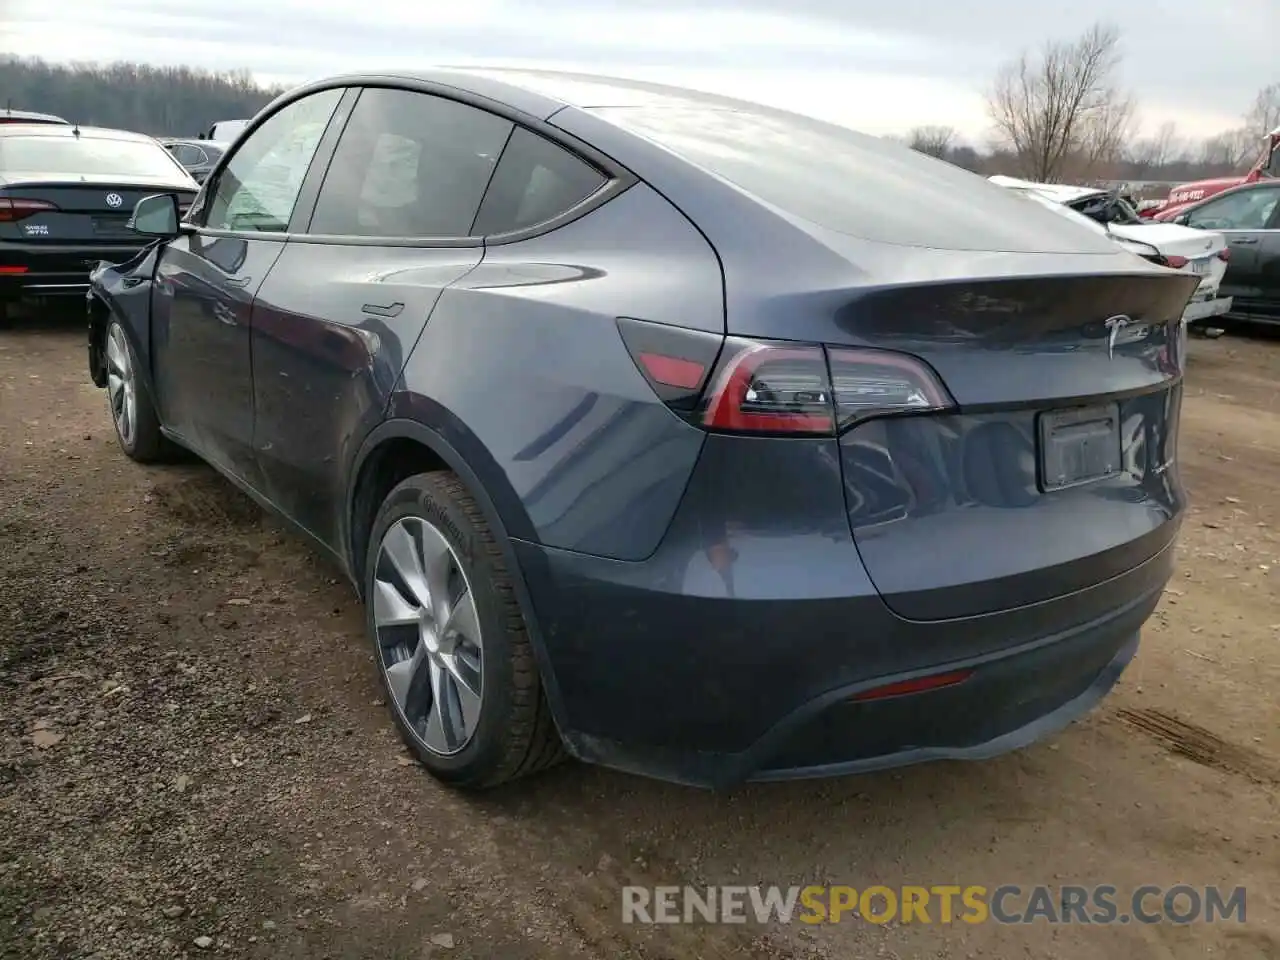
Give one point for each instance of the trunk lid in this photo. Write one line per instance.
(88, 210)
(1170, 238)
(1056, 471)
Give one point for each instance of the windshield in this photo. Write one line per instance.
(87, 156)
(1107, 208)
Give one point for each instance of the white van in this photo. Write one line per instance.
(225, 130)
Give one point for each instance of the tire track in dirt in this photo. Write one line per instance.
(1199, 745)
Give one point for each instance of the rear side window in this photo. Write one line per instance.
(536, 180)
(409, 165)
(187, 155)
(850, 182)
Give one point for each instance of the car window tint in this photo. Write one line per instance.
(1246, 210)
(536, 180)
(259, 186)
(849, 182)
(409, 165)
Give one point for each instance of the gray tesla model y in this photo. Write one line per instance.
(681, 434)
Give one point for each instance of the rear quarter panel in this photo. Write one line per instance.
(525, 356)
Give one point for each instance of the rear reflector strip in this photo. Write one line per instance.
(918, 685)
(673, 371)
(12, 271)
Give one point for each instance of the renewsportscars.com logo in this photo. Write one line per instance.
(941, 903)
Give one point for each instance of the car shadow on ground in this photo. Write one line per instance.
(56, 316)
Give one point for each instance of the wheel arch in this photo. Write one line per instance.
(102, 312)
(99, 316)
(426, 447)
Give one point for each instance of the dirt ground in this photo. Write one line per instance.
(192, 745)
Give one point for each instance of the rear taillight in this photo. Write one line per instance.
(871, 383)
(778, 387)
(770, 388)
(1175, 261)
(13, 209)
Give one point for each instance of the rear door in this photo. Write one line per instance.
(206, 281)
(1245, 218)
(345, 303)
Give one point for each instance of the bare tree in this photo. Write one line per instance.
(1229, 151)
(1060, 108)
(1150, 154)
(935, 141)
(1264, 115)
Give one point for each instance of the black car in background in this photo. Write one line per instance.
(198, 157)
(26, 116)
(1249, 217)
(66, 197)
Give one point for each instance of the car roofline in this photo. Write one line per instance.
(69, 132)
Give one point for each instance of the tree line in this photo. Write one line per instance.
(1059, 113)
(160, 101)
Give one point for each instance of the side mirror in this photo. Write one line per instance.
(156, 216)
(1183, 219)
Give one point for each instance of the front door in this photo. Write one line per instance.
(207, 279)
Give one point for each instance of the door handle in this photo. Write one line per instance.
(391, 310)
(237, 281)
(1243, 240)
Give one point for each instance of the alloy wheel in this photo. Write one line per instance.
(121, 385)
(429, 641)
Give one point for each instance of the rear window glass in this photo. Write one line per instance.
(851, 182)
(73, 156)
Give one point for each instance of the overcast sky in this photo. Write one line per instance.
(880, 65)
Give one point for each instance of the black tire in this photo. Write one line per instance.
(147, 444)
(6, 315)
(515, 735)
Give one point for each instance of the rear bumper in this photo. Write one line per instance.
(53, 270)
(1204, 309)
(713, 691)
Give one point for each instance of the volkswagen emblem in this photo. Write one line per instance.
(114, 200)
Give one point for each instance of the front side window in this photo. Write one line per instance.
(61, 155)
(1246, 210)
(259, 186)
(409, 165)
(536, 180)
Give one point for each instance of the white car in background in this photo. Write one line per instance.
(1203, 253)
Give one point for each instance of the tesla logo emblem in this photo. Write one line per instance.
(114, 200)
(1114, 325)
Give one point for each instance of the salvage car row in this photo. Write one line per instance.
(646, 439)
